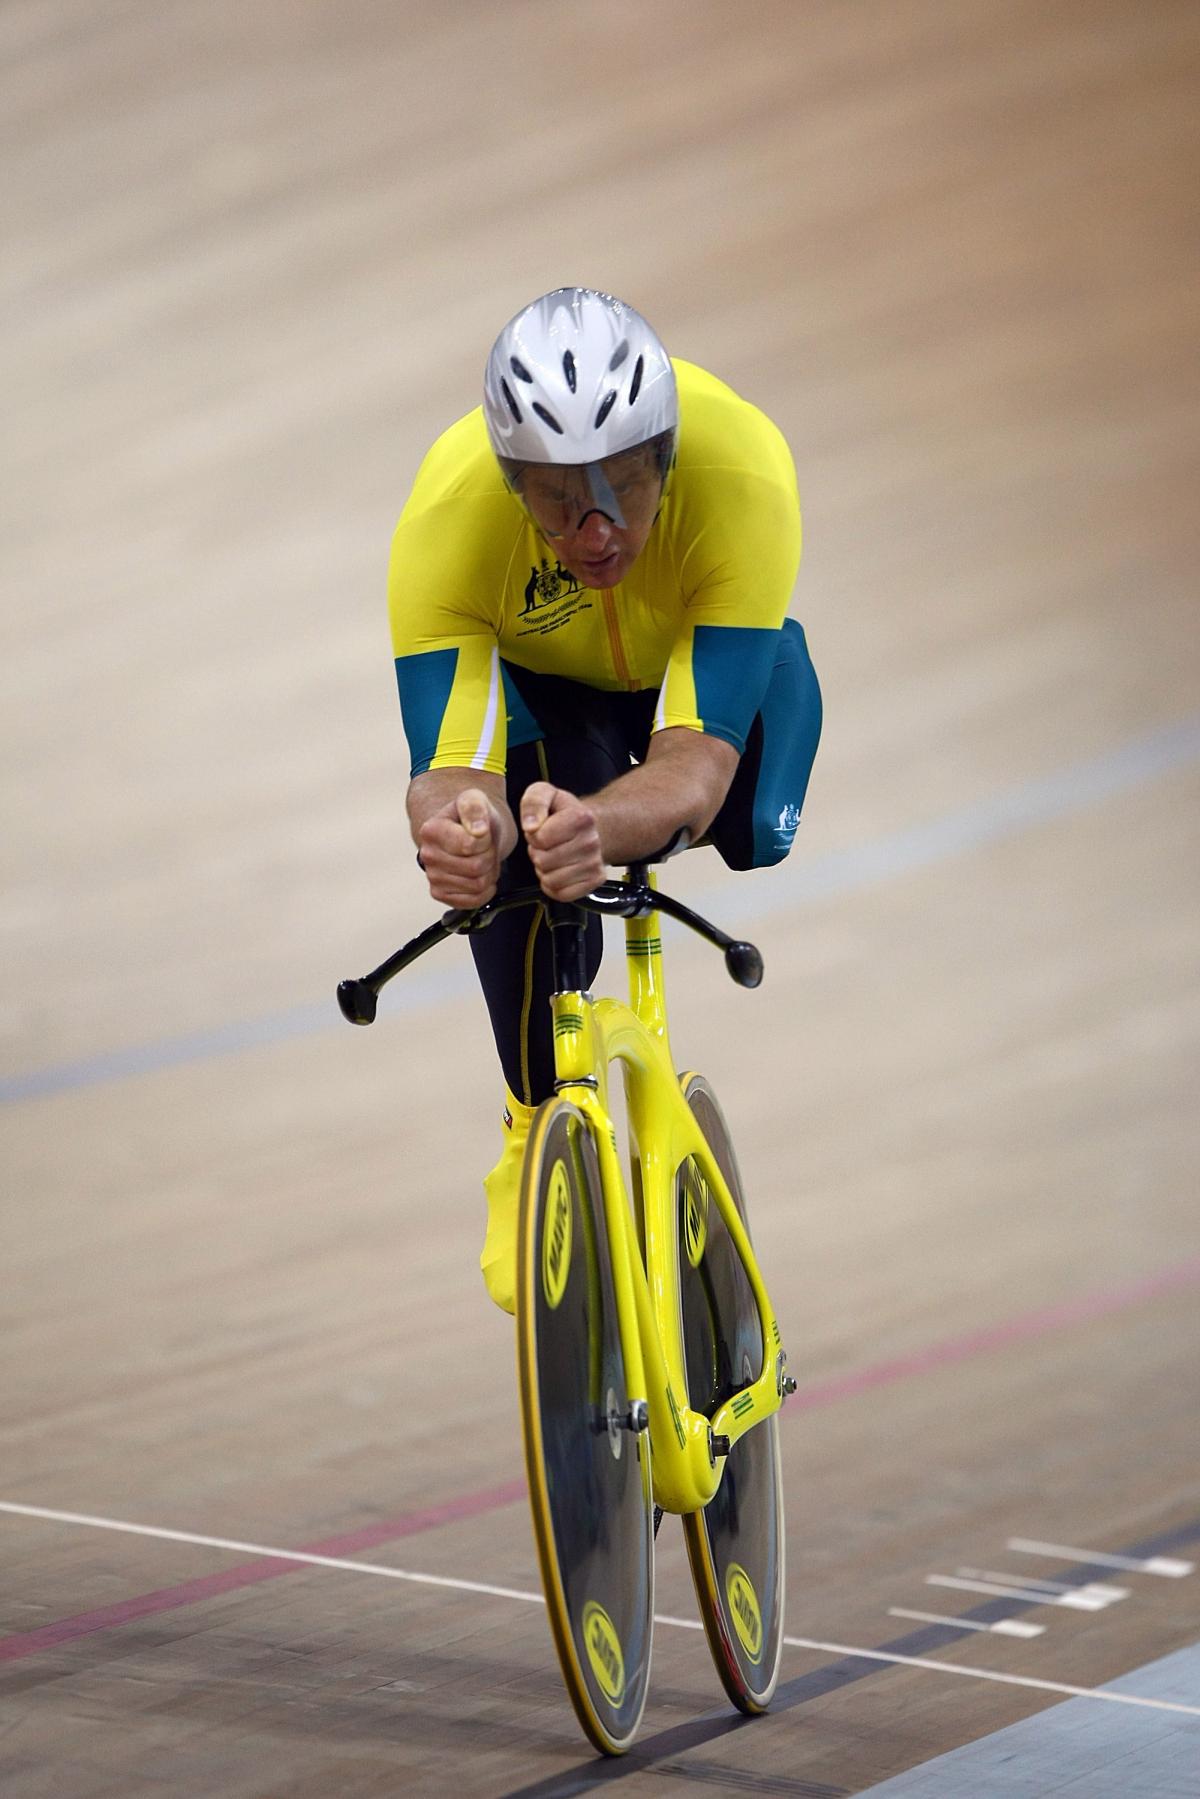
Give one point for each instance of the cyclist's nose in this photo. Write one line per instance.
(594, 532)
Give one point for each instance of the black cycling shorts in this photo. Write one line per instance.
(589, 738)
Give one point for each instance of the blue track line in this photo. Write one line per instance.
(1041, 801)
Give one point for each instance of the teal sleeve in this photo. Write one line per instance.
(426, 681)
(731, 668)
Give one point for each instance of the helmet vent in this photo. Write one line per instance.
(635, 386)
(618, 356)
(606, 406)
(506, 390)
(547, 418)
(519, 370)
(569, 369)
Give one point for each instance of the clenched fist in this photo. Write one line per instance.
(459, 848)
(563, 839)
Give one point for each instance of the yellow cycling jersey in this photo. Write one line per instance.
(474, 588)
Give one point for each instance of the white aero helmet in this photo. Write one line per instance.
(575, 377)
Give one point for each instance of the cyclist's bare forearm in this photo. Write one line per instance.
(681, 785)
(573, 839)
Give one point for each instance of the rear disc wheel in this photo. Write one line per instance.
(736, 1543)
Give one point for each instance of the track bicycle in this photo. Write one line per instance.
(650, 1364)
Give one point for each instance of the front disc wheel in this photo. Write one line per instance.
(588, 1468)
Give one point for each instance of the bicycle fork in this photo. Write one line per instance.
(690, 1450)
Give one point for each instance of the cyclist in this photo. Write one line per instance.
(588, 592)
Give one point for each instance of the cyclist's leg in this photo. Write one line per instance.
(581, 745)
(513, 956)
(758, 820)
(514, 963)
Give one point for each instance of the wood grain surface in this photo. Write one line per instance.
(254, 259)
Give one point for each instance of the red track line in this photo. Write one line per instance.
(1023, 1328)
(191, 1592)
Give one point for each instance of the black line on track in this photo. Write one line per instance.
(712, 1725)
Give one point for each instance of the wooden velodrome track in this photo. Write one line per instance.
(254, 259)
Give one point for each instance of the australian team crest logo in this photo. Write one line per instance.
(546, 584)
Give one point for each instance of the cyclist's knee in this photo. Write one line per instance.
(757, 824)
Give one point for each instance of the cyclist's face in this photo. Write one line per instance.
(568, 506)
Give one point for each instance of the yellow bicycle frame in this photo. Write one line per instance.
(589, 1035)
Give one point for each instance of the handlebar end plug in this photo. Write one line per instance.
(745, 964)
(358, 1001)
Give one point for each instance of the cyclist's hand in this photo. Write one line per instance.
(459, 848)
(563, 839)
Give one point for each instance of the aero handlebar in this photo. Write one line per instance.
(632, 898)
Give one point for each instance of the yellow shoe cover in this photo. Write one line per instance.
(498, 1262)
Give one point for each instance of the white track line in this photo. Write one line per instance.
(1166, 1565)
(1011, 1680)
(1104, 1594)
(278, 1555)
(475, 1586)
(1075, 1601)
(1003, 1627)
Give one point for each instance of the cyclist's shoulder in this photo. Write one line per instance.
(720, 430)
(459, 511)
(733, 508)
(459, 464)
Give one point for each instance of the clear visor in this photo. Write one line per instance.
(626, 488)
